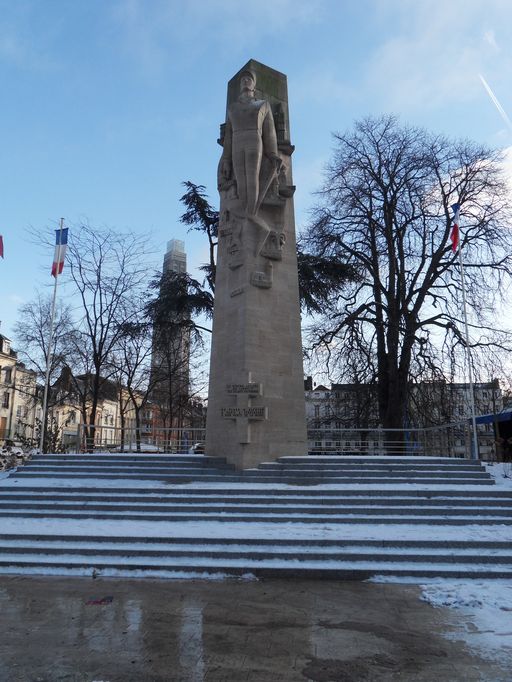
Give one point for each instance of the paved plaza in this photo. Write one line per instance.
(85, 630)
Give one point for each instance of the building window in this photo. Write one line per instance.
(8, 375)
(5, 401)
(19, 411)
(317, 410)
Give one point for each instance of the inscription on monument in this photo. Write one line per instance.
(255, 413)
(251, 388)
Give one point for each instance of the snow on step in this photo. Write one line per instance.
(446, 523)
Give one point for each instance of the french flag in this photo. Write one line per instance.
(454, 235)
(61, 245)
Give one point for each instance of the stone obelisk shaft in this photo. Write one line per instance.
(256, 409)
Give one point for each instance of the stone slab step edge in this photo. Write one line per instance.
(269, 508)
(311, 480)
(285, 459)
(451, 502)
(452, 520)
(295, 554)
(99, 540)
(289, 572)
(309, 466)
(494, 493)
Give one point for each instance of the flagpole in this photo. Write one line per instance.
(474, 450)
(50, 341)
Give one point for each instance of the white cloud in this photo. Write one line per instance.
(436, 54)
(164, 32)
(490, 39)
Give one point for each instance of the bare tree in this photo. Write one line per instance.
(32, 332)
(106, 268)
(132, 362)
(385, 209)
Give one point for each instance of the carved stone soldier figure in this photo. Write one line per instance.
(250, 137)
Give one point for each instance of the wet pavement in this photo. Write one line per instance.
(108, 630)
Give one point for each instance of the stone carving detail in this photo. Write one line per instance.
(250, 389)
(250, 160)
(244, 412)
(235, 246)
(263, 280)
(273, 246)
(253, 181)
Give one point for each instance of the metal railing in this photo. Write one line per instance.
(131, 439)
(448, 440)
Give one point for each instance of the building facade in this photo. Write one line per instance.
(19, 409)
(344, 418)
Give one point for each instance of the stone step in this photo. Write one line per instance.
(183, 459)
(360, 459)
(259, 496)
(362, 500)
(257, 477)
(261, 543)
(137, 463)
(374, 473)
(358, 517)
(267, 507)
(367, 466)
(255, 553)
(266, 568)
(220, 462)
(108, 468)
(264, 491)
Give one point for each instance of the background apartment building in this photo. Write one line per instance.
(345, 418)
(18, 397)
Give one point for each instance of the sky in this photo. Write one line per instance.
(109, 105)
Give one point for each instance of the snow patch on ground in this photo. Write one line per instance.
(485, 607)
(489, 608)
(501, 472)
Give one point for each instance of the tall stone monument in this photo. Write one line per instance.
(256, 409)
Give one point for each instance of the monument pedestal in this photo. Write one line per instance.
(256, 408)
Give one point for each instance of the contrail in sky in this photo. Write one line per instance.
(496, 102)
